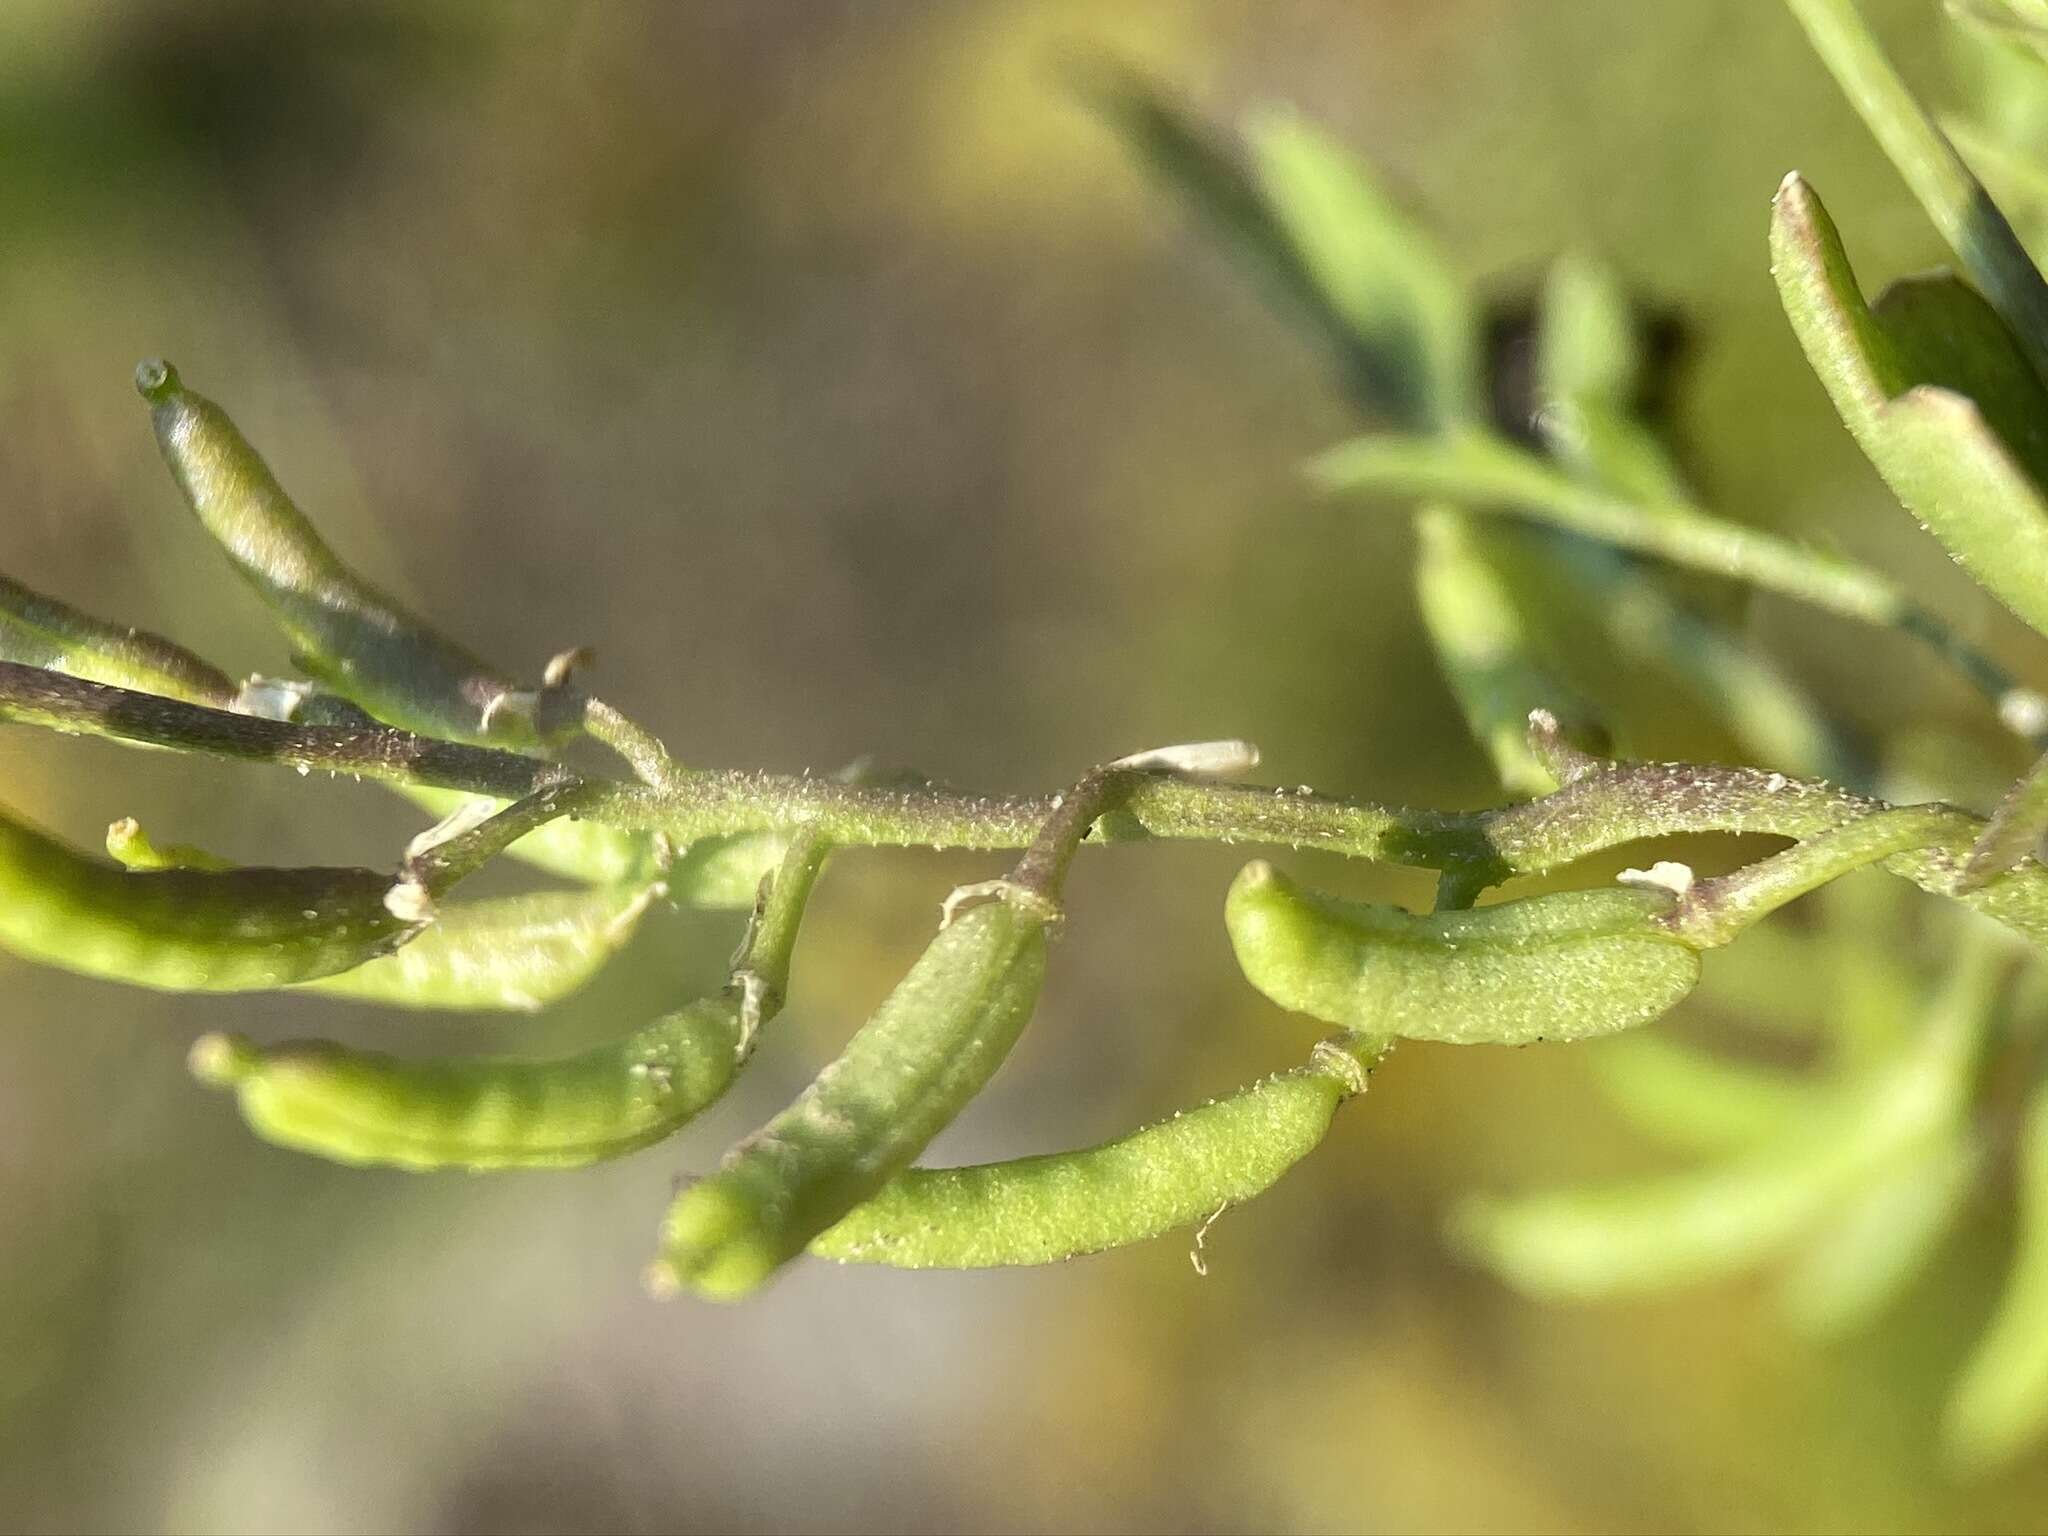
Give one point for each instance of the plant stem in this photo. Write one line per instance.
(1600, 808)
(34, 696)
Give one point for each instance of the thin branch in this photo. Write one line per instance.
(34, 696)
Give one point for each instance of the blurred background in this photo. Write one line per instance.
(836, 376)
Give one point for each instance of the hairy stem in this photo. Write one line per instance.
(1604, 805)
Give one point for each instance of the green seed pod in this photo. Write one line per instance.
(367, 1107)
(1040, 1210)
(1564, 966)
(348, 634)
(364, 1107)
(931, 1046)
(506, 952)
(39, 631)
(188, 930)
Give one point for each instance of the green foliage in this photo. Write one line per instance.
(1847, 1166)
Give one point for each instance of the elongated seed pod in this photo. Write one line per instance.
(40, 631)
(1563, 966)
(188, 930)
(931, 1046)
(365, 1107)
(490, 1113)
(1040, 1210)
(350, 635)
(505, 952)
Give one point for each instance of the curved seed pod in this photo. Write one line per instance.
(1564, 966)
(1040, 1210)
(2000, 1404)
(349, 635)
(507, 952)
(188, 930)
(39, 631)
(368, 1107)
(713, 873)
(364, 1107)
(931, 1046)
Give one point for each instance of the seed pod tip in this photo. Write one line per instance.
(155, 379)
(221, 1060)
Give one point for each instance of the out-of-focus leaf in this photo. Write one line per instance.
(1693, 1099)
(1584, 1244)
(1375, 267)
(1322, 240)
(1483, 472)
(2015, 829)
(1476, 605)
(1588, 368)
(1931, 445)
(1856, 1264)
(2000, 1402)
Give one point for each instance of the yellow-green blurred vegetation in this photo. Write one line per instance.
(841, 379)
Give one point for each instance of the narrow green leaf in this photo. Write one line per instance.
(1319, 258)
(1693, 1099)
(1947, 335)
(1954, 200)
(2000, 1403)
(1585, 1244)
(1931, 445)
(1858, 1262)
(1476, 600)
(1376, 268)
(2015, 830)
(1482, 472)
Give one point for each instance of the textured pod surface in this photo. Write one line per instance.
(1558, 967)
(931, 1046)
(187, 930)
(508, 952)
(1039, 1210)
(40, 631)
(365, 1107)
(354, 638)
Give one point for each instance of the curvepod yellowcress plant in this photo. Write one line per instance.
(1565, 495)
